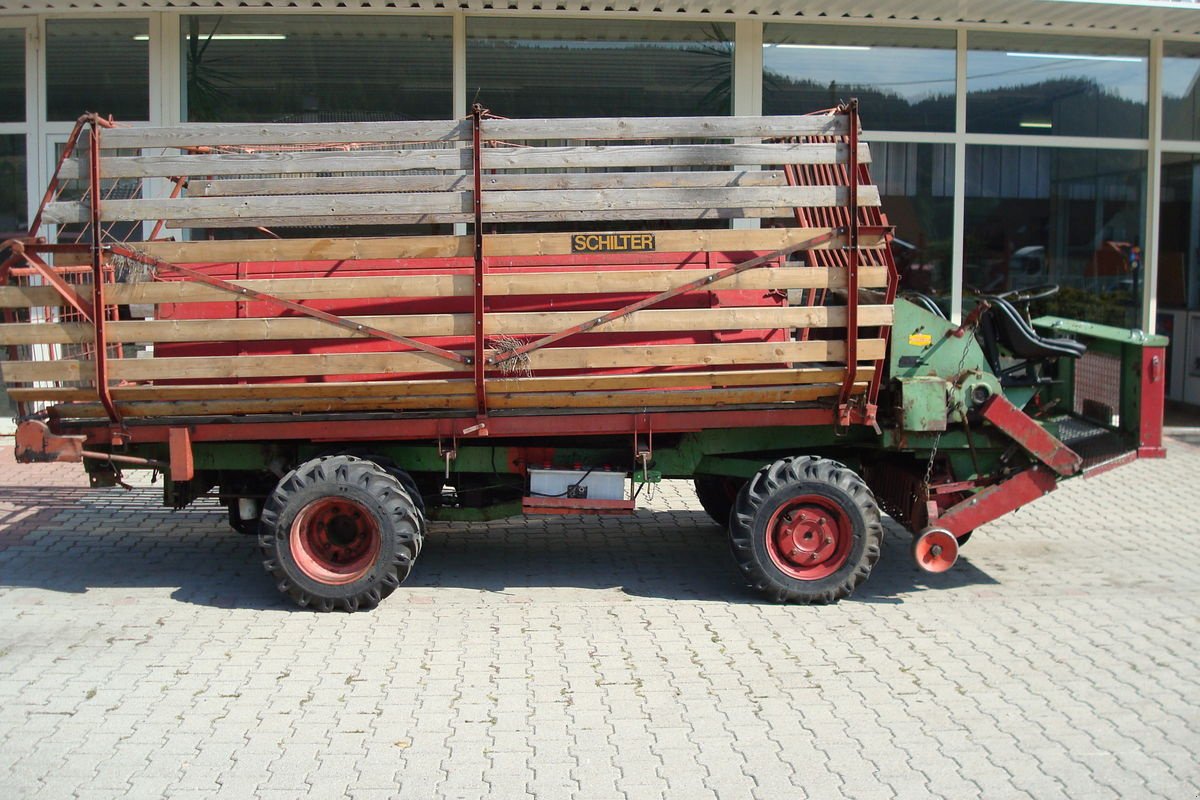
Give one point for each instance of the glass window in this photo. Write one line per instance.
(1181, 90)
(905, 79)
(916, 187)
(1073, 218)
(12, 74)
(98, 65)
(1179, 232)
(1056, 86)
(277, 68)
(12, 186)
(585, 68)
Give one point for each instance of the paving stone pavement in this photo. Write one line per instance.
(144, 653)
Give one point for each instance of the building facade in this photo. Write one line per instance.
(1016, 145)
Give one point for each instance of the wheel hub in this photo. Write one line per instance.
(335, 540)
(809, 537)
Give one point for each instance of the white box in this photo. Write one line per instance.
(599, 484)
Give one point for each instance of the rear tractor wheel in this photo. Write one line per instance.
(717, 494)
(339, 532)
(806, 529)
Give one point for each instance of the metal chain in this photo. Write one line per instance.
(968, 337)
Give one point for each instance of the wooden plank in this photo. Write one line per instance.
(457, 285)
(510, 181)
(204, 367)
(666, 127)
(417, 325)
(233, 187)
(589, 200)
(521, 244)
(452, 386)
(689, 398)
(254, 133)
(247, 209)
(679, 155)
(270, 163)
(327, 249)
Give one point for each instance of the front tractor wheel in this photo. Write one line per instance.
(339, 532)
(806, 530)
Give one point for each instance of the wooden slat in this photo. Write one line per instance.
(590, 200)
(451, 386)
(417, 325)
(205, 367)
(680, 155)
(501, 245)
(665, 127)
(253, 133)
(270, 163)
(510, 181)
(248, 209)
(574, 400)
(457, 285)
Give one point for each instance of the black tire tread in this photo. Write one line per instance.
(352, 471)
(711, 491)
(771, 479)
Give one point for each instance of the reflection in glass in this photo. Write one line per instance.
(1073, 218)
(1181, 90)
(12, 74)
(916, 187)
(12, 185)
(1058, 86)
(583, 68)
(1179, 232)
(904, 78)
(316, 68)
(98, 65)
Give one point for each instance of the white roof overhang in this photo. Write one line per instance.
(1171, 18)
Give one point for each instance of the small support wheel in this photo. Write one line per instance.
(717, 494)
(935, 550)
(806, 529)
(339, 532)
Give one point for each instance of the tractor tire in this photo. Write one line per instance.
(717, 494)
(806, 529)
(339, 532)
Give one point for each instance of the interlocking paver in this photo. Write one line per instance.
(143, 653)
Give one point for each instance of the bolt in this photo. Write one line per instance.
(935, 551)
(828, 540)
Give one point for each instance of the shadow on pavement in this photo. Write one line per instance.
(74, 540)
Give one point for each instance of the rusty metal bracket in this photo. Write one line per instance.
(246, 293)
(699, 283)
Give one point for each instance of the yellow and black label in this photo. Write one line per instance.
(612, 242)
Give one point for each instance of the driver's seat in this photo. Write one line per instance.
(1003, 325)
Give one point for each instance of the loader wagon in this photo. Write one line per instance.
(346, 330)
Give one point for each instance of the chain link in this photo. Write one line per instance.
(968, 336)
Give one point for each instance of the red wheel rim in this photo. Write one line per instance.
(809, 537)
(935, 550)
(334, 540)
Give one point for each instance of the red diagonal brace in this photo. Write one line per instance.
(998, 500)
(699, 283)
(324, 316)
(1032, 437)
(54, 279)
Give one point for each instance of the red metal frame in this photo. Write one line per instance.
(844, 408)
(1150, 423)
(998, 500)
(99, 310)
(1031, 436)
(479, 297)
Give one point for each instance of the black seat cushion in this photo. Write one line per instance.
(1022, 340)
